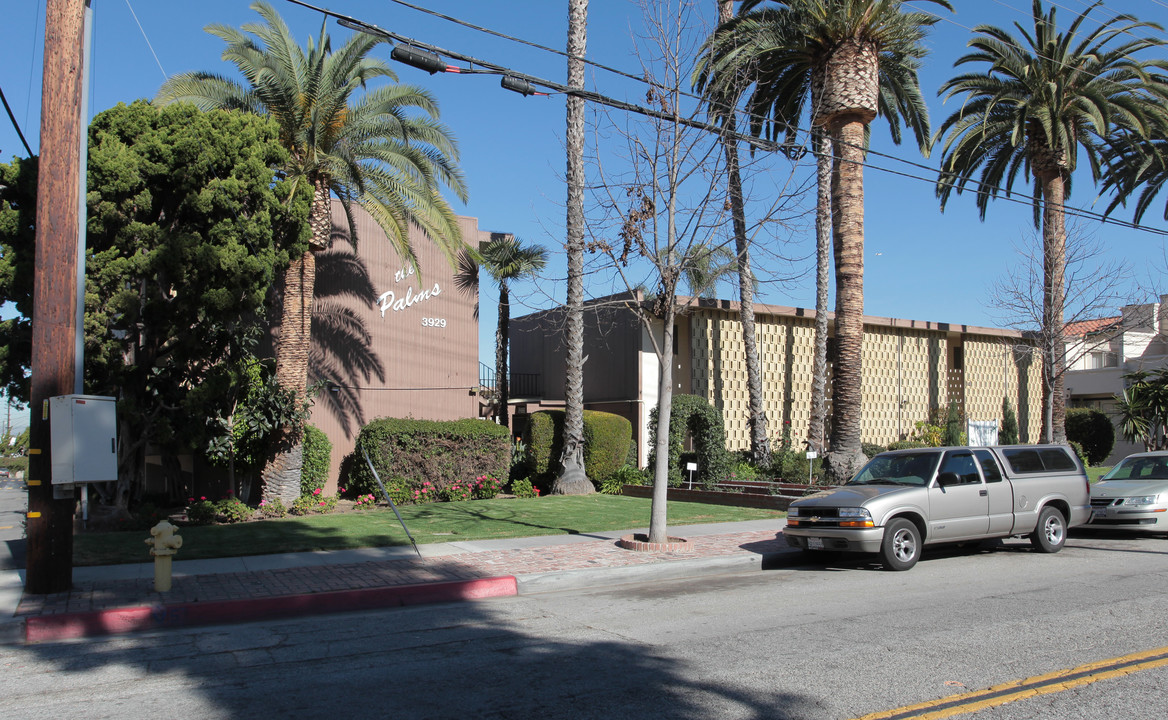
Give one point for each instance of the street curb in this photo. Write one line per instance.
(115, 621)
(555, 581)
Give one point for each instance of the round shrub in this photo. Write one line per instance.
(607, 440)
(318, 451)
(1093, 431)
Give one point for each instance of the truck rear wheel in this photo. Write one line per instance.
(901, 547)
(1051, 532)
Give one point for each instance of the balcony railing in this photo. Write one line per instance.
(525, 385)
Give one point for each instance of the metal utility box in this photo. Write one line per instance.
(84, 438)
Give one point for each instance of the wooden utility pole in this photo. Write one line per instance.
(54, 319)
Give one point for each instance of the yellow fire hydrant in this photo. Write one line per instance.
(163, 541)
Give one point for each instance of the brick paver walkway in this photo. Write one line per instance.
(103, 595)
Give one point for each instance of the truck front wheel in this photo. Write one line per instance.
(1051, 532)
(901, 547)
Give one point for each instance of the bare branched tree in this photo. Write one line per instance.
(659, 217)
(1095, 288)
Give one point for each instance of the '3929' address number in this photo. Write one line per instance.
(434, 322)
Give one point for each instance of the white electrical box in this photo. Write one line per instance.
(84, 438)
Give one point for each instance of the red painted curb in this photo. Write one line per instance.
(115, 621)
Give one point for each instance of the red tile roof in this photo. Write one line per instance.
(1083, 328)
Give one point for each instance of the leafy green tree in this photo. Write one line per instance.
(18, 190)
(1092, 430)
(506, 259)
(852, 60)
(1009, 432)
(240, 435)
(184, 215)
(1033, 101)
(953, 430)
(384, 150)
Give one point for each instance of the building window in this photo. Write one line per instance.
(958, 358)
(1101, 359)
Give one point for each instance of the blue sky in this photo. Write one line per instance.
(920, 263)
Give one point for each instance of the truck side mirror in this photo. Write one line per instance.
(946, 479)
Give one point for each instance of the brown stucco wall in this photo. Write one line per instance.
(410, 346)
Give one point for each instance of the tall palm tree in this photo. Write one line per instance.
(384, 150)
(853, 60)
(506, 259)
(572, 479)
(1031, 104)
(723, 110)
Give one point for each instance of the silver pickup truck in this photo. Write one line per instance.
(905, 499)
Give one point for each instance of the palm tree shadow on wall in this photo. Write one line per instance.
(342, 358)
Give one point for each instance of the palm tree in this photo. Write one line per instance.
(506, 259)
(853, 60)
(1043, 96)
(572, 479)
(1137, 164)
(373, 151)
(722, 109)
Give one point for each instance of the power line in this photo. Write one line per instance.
(15, 124)
(510, 77)
(789, 149)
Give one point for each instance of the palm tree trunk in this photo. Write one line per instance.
(1054, 261)
(823, 161)
(281, 476)
(501, 373)
(760, 448)
(572, 479)
(848, 226)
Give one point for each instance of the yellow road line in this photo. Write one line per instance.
(1056, 681)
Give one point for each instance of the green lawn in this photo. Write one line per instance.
(1094, 473)
(430, 523)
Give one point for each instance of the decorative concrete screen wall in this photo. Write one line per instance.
(908, 371)
(786, 352)
(997, 368)
(904, 376)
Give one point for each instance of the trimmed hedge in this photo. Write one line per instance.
(607, 441)
(318, 451)
(416, 452)
(1093, 431)
(695, 416)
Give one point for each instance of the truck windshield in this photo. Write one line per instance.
(899, 469)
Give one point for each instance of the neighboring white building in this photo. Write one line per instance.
(1100, 352)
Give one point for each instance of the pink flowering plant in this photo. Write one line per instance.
(458, 491)
(365, 502)
(273, 508)
(314, 503)
(425, 493)
(486, 487)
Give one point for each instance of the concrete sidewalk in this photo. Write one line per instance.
(121, 598)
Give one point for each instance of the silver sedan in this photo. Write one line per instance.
(1133, 495)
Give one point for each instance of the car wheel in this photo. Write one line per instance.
(901, 547)
(1051, 532)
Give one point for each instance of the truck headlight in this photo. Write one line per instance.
(855, 518)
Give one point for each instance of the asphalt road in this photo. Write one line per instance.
(13, 504)
(835, 640)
